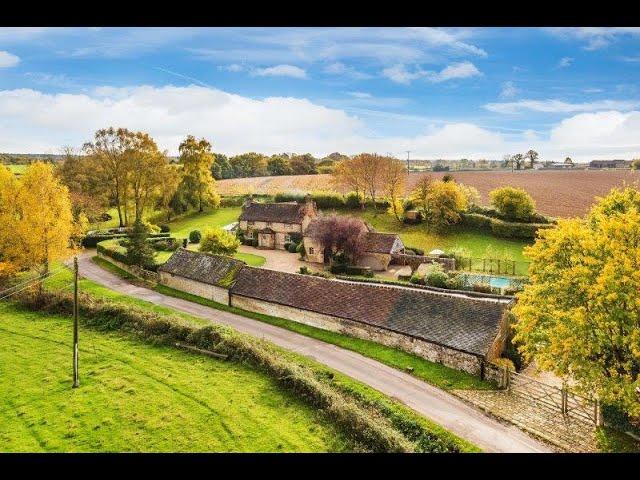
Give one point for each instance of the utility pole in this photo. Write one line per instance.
(76, 381)
(408, 168)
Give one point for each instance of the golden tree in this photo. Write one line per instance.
(197, 158)
(444, 202)
(36, 224)
(394, 179)
(579, 316)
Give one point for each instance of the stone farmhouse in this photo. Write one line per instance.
(378, 249)
(275, 224)
(457, 330)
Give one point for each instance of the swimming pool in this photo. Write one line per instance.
(497, 282)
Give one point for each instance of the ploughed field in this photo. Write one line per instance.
(136, 397)
(557, 193)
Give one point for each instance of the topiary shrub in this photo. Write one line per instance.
(417, 279)
(195, 236)
(292, 248)
(164, 228)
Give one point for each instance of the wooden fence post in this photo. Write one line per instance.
(564, 403)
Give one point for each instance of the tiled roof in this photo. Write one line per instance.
(203, 267)
(458, 322)
(376, 242)
(289, 212)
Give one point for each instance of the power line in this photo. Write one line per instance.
(31, 280)
(30, 284)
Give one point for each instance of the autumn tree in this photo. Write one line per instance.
(420, 192)
(169, 180)
(513, 203)
(198, 183)
(219, 242)
(36, 222)
(579, 315)
(444, 203)
(339, 235)
(303, 164)
(147, 166)
(347, 175)
(394, 179)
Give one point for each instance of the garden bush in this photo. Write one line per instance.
(436, 276)
(219, 242)
(301, 250)
(328, 200)
(292, 248)
(304, 270)
(254, 242)
(353, 200)
(362, 271)
(454, 282)
(417, 279)
(195, 236)
(164, 228)
(415, 250)
(338, 268)
(482, 287)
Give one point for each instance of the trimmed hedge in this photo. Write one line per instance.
(361, 271)
(363, 423)
(501, 228)
(91, 241)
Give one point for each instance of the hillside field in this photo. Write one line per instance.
(135, 397)
(557, 193)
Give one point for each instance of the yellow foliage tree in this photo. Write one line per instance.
(579, 316)
(443, 203)
(36, 222)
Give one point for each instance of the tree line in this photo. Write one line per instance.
(125, 169)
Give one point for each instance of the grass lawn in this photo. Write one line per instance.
(475, 242)
(200, 221)
(366, 393)
(138, 397)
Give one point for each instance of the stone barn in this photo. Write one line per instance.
(453, 329)
(202, 274)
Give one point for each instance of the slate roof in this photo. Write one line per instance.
(376, 242)
(203, 267)
(458, 322)
(285, 212)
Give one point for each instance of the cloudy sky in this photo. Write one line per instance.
(441, 93)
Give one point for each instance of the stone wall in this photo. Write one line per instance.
(375, 261)
(211, 292)
(436, 353)
(132, 269)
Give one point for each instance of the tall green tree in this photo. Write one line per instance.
(198, 183)
(140, 252)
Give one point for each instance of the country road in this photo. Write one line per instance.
(435, 404)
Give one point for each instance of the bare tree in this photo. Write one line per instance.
(532, 155)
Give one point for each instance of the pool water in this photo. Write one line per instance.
(499, 282)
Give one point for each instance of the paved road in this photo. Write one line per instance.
(435, 404)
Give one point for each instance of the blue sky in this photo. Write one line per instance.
(442, 93)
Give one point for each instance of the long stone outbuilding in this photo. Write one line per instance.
(456, 330)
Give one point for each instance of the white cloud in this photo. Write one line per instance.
(592, 90)
(8, 59)
(43, 122)
(339, 68)
(558, 106)
(595, 38)
(234, 67)
(281, 71)
(565, 62)
(360, 94)
(509, 90)
(399, 73)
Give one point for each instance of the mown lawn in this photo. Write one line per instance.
(207, 219)
(138, 397)
(478, 244)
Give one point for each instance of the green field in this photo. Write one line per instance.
(478, 244)
(137, 397)
(204, 220)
